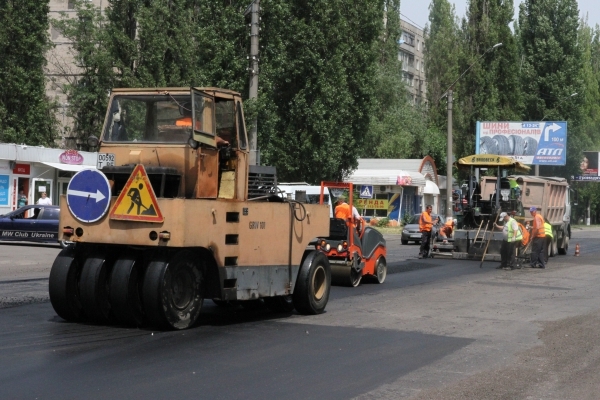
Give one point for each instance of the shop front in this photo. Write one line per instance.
(400, 187)
(27, 172)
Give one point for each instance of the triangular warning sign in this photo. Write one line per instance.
(366, 192)
(137, 201)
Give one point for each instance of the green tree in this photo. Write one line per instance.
(443, 45)
(490, 90)
(317, 76)
(553, 70)
(26, 114)
(164, 43)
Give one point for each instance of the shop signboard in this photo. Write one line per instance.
(4, 190)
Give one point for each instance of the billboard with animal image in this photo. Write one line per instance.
(533, 143)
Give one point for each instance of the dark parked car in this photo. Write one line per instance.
(410, 232)
(35, 223)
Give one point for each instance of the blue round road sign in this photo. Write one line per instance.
(88, 195)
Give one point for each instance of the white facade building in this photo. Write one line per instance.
(412, 49)
(38, 169)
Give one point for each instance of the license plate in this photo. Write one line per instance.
(105, 159)
(415, 236)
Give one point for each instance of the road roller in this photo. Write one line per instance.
(175, 214)
(354, 250)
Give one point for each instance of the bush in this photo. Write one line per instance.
(383, 222)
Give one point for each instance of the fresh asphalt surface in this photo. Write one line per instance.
(374, 341)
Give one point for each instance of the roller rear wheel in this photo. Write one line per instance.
(93, 286)
(381, 270)
(125, 292)
(313, 284)
(173, 291)
(63, 286)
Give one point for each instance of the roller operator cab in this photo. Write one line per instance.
(176, 215)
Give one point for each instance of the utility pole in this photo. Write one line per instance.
(253, 69)
(449, 159)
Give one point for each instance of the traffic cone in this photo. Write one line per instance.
(577, 250)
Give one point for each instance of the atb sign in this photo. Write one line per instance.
(534, 143)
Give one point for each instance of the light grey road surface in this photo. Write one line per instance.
(436, 329)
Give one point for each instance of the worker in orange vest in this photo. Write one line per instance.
(342, 209)
(447, 229)
(425, 226)
(538, 233)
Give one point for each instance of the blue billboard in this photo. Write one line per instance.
(533, 143)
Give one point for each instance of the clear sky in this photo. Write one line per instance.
(417, 11)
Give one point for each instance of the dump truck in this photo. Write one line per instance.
(550, 195)
(481, 201)
(176, 215)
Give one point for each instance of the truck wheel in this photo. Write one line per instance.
(63, 286)
(172, 291)
(282, 304)
(313, 284)
(381, 270)
(125, 295)
(93, 286)
(562, 250)
(554, 243)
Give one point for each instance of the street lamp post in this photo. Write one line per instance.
(449, 155)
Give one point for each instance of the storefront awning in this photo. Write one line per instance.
(431, 188)
(68, 167)
(386, 177)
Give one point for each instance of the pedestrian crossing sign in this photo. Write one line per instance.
(366, 192)
(137, 201)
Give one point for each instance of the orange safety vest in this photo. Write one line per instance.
(447, 228)
(538, 226)
(525, 234)
(425, 223)
(343, 211)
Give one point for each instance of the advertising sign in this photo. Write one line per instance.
(534, 143)
(4, 190)
(372, 204)
(588, 167)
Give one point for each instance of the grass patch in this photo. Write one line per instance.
(395, 230)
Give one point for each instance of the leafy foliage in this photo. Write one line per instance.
(553, 70)
(26, 114)
(316, 85)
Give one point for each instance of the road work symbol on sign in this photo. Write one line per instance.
(137, 201)
(366, 192)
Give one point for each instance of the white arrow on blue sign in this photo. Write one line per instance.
(366, 192)
(88, 195)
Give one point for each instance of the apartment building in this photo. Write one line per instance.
(61, 69)
(412, 47)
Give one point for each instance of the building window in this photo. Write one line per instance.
(408, 39)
